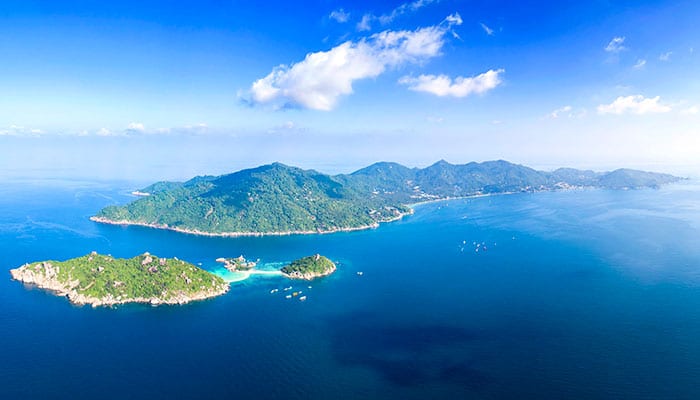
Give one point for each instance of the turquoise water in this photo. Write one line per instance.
(580, 294)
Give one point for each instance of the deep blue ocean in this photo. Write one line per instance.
(588, 294)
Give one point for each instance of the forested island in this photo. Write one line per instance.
(102, 280)
(309, 267)
(277, 199)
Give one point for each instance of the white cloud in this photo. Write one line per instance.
(104, 132)
(634, 105)
(665, 56)
(365, 23)
(404, 9)
(322, 77)
(19, 130)
(566, 110)
(616, 45)
(136, 127)
(486, 29)
(442, 85)
(454, 19)
(339, 16)
(640, 64)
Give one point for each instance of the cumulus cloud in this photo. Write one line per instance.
(640, 64)
(443, 85)
(637, 104)
(339, 16)
(616, 45)
(665, 56)
(486, 29)
(322, 77)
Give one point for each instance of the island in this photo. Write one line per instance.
(309, 268)
(102, 280)
(278, 199)
(238, 264)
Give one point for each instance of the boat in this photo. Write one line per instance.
(289, 296)
(295, 294)
(360, 273)
(302, 298)
(274, 290)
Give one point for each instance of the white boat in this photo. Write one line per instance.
(302, 298)
(360, 273)
(289, 296)
(274, 290)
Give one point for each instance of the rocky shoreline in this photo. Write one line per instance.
(308, 275)
(46, 277)
(197, 232)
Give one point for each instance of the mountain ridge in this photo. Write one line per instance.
(281, 199)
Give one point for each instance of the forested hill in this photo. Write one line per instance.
(277, 198)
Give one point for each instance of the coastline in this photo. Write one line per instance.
(58, 278)
(476, 196)
(197, 232)
(28, 277)
(471, 196)
(308, 276)
(374, 225)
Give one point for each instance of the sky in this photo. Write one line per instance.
(154, 90)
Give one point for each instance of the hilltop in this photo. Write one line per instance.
(309, 267)
(102, 280)
(278, 199)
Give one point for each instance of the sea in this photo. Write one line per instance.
(580, 294)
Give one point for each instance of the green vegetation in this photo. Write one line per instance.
(281, 199)
(237, 264)
(272, 198)
(309, 267)
(97, 278)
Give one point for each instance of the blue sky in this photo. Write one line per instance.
(163, 89)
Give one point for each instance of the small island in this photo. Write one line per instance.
(309, 267)
(238, 264)
(102, 280)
